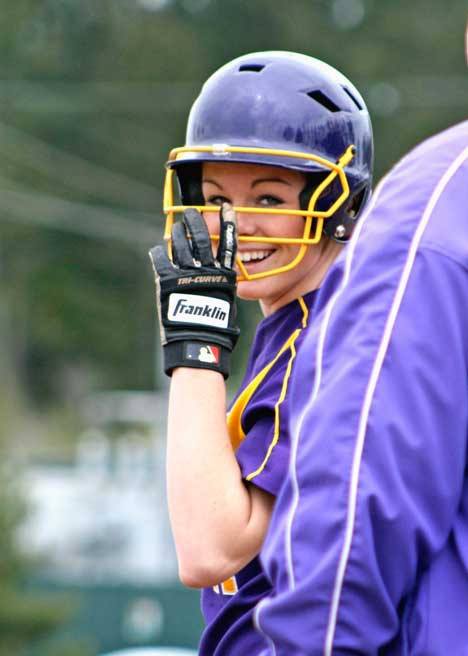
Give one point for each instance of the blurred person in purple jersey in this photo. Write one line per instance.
(367, 550)
(282, 144)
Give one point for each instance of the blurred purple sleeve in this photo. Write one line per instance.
(371, 506)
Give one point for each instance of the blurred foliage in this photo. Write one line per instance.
(94, 94)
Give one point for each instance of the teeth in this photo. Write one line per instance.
(249, 256)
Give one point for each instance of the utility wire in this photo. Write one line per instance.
(75, 172)
(98, 97)
(129, 139)
(22, 206)
(154, 98)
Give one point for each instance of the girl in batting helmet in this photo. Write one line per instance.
(282, 142)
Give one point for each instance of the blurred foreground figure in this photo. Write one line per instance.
(368, 546)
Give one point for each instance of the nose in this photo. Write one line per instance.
(246, 223)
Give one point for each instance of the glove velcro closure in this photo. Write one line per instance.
(197, 355)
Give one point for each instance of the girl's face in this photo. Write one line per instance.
(254, 185)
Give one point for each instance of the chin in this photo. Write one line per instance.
(247, 290)
(253, 290)
(262, 289)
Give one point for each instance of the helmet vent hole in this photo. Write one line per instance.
(324, 100)
(254, 68)
(355, 101)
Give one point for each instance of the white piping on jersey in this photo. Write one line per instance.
(368, 399)
(256, 624)
(317, 380)
(365, 410)
(295, 438)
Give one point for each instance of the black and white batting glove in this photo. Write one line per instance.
(196, 294)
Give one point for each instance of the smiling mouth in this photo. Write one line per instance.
(252, 257)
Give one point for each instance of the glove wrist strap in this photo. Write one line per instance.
(197, 355)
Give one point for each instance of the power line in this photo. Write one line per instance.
(154, 98)
(98, 97)
(22, 206)
(73, 171)
(129, 138)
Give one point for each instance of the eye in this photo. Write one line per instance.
(217, 200)
(267, 200)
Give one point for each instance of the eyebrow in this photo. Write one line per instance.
(213, 182)
(254, 183)
(260, 180)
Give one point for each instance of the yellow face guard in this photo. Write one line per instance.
(307, 239)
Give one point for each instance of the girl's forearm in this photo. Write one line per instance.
(218, 525)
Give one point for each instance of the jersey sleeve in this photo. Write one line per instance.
(380, 464)
(263, 454)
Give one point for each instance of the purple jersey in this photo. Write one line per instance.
(368, 546)
(258, 426)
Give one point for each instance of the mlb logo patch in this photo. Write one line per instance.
(202, 352)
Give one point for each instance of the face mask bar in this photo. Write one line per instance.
(307, 239)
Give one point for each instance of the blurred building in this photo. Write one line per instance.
(103, 516)
(99, 525)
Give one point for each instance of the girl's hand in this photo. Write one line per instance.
(196, 293)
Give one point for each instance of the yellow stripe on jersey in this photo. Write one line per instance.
(305, 311)
(234, 424)
(234, 418)
(276, 432)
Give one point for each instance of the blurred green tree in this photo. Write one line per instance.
(93, 97)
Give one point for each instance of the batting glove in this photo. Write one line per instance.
(196, 293)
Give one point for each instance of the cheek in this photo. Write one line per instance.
(311, 258)
(297, 226)
(290, 226)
